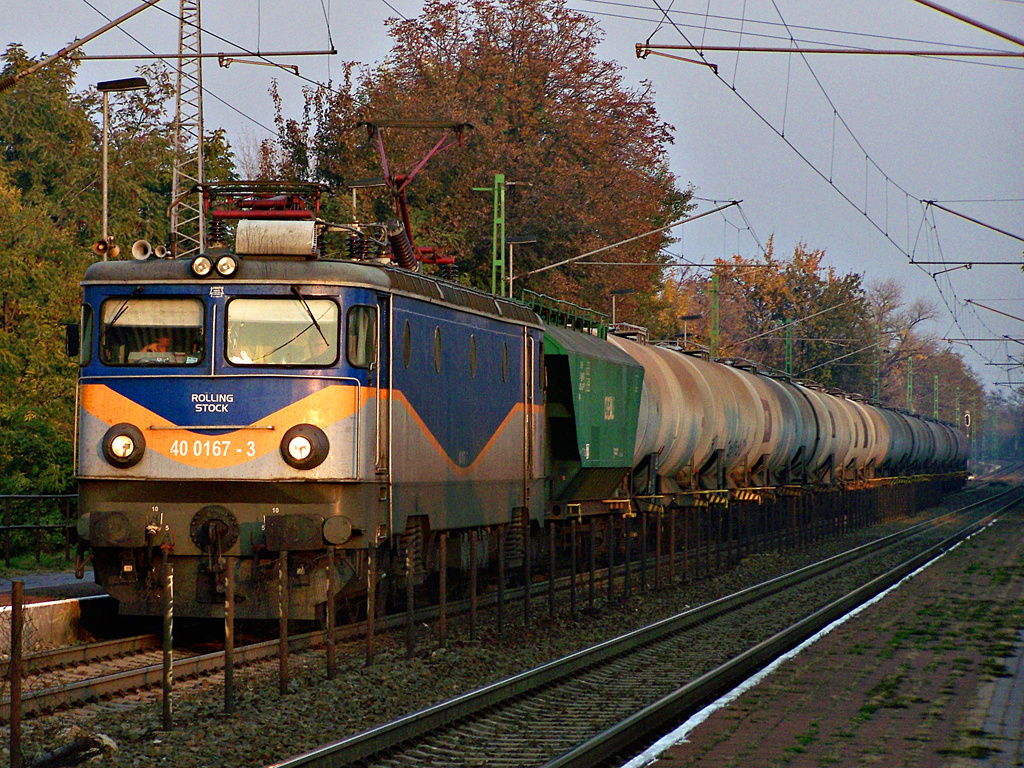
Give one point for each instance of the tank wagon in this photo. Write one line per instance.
(262, 399)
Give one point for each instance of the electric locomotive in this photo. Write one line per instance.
(260, 400)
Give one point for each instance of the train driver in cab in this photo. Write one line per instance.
(162, 344)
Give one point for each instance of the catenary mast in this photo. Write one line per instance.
(188, 220)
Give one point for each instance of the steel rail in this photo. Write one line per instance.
(144, 677)
(84, 653)
(392, 734)
(660, 716)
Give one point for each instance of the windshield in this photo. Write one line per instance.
(282, 332)
(150, 331)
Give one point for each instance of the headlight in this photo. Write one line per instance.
(299, 448)
(201, 266)
(304, 446)
(123, 445)
(227, 265)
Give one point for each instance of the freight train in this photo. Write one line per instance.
(263, 397)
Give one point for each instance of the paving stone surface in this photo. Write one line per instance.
(932, 675)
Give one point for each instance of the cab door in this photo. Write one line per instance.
(380, 381)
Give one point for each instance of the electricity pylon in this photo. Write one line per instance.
(188, 220)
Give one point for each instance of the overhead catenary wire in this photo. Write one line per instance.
(973, 220)
(791, 322)
(206, 90)
(643, 48)
(805, 371)
(11, 80)
(743, 22)
(997, 311)
(972, 22)
(869, 162)
(247, 51)
(628, 240)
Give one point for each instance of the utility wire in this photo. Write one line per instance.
(742, 22)
(174, 66)
(627, 240)
(248, 52)
(869, 162)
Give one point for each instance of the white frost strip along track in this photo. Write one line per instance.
(679, 735)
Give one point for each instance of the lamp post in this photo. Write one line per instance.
(106, 87)
(619, 292)
(512, 241)
(686, 319)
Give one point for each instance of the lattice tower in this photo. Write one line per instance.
(188, 221)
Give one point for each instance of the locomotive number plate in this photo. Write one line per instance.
(217, 448)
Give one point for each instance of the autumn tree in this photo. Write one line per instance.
(897, 326)
(768, 303)
(546, 111)
(40, 267)
(51, 135)
(839, 333)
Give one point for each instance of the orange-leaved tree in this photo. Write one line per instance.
(588, 152)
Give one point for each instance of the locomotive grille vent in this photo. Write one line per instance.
(460, 296)
(407, 281)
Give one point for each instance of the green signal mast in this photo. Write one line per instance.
(498, 265)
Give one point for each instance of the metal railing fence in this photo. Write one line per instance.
(37, 522)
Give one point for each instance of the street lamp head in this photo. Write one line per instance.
(618, 292)
(124, 84)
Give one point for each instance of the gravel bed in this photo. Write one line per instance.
(266, 727)
(534, 729)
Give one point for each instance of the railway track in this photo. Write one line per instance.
(584, 708)
(80, 674)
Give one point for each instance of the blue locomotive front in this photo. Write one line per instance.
(298, 406)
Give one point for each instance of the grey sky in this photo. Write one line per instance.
(950, 130)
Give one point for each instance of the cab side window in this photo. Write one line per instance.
(361, 340)
(86, 341)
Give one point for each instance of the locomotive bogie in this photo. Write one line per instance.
(206, 524)
(134, 579)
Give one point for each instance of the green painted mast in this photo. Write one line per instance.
(789, 349)
(910, 384)
(498, 263)
(715, 329)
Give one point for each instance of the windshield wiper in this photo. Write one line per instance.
(305, 306)
(121, 310)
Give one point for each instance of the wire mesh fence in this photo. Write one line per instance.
(36, 636)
